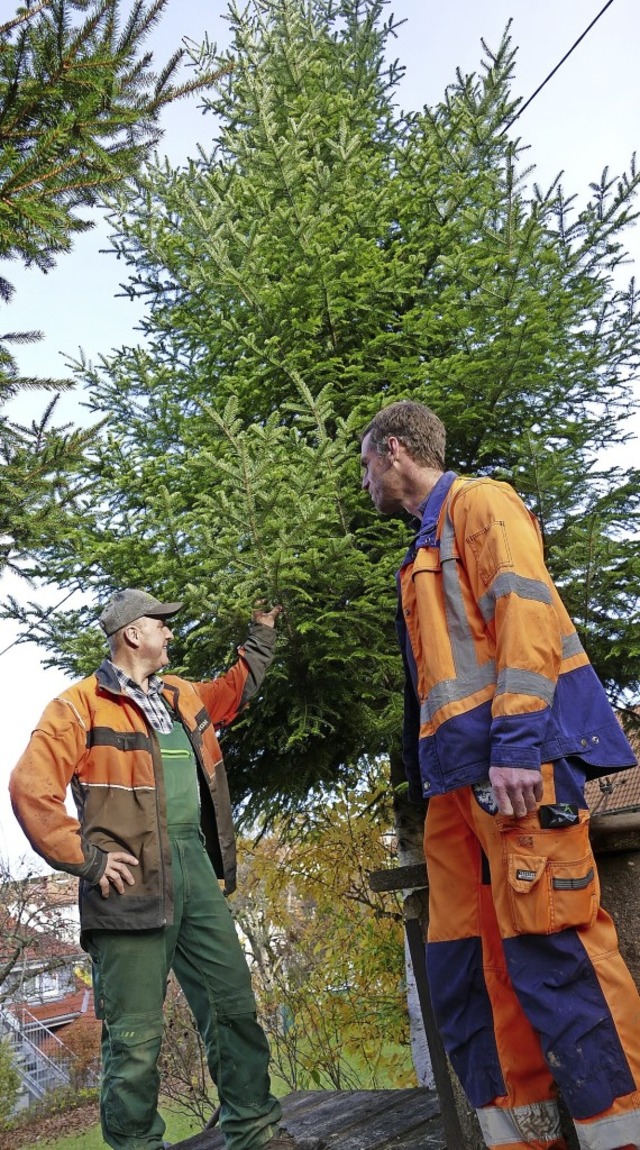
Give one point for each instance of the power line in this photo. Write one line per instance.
(558, 65)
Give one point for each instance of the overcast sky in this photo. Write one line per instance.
(586, 118)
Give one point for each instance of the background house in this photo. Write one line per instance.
(46, 1000)
(619, 793)
(615, 794)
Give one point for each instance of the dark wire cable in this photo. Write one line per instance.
(558, 65)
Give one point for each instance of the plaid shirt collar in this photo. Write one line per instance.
(151, 703)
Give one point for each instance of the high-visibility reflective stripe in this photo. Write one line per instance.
(616, 1130)
(113, 787)
(573, 883)
(452, 690)
(463, 647)
(470, 676)
(68, 703)
(571, 645)
(448, 549)
(509, 583)
(515, 681)
(537, 1122)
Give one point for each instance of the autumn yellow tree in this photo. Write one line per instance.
(327, 952)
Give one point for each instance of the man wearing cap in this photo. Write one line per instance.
(153, 831)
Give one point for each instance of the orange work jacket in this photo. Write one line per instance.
(95, 739)
(496, 673)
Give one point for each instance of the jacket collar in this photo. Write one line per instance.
(109, 681)
(107, 678)
(430, 513)
(431, 509)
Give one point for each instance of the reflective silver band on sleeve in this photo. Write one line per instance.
(516, 681)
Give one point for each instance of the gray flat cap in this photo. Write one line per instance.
(127, 605)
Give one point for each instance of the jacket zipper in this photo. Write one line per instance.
(154, 759)
(156, 752)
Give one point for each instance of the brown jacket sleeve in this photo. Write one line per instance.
(38, 788)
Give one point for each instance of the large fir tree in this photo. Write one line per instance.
(329, 255)
(80, 109)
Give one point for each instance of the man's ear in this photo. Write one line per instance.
(132, 636)
(394, 447)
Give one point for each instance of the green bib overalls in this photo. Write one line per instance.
(130, 971)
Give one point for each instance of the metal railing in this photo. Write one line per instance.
(39, 1073)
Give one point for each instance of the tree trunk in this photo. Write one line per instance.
(418, 1037)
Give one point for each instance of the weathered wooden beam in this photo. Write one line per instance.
(352, 1120)
(412, 877)
(615, 833)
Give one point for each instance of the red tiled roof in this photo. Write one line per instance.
(70, 1006)
(55, 889)
(57, 1011)
(41, 946)
(614, 793)
(620, 791)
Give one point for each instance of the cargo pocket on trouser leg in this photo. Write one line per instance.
(131, 1079)
(551, 877)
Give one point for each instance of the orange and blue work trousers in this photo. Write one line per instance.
(529, 990)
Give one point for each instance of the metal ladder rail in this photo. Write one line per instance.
(47, 1072)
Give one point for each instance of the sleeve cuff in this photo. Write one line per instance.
(96, 863)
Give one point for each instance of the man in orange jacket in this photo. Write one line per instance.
(505, 719)
(154, 828)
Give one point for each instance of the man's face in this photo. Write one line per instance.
(380, 479)
(153, 639)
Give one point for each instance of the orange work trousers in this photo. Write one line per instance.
(529, 990)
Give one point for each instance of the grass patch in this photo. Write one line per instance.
(387, 1068)
(179, 1126)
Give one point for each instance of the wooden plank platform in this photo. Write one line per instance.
(352, 1120)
